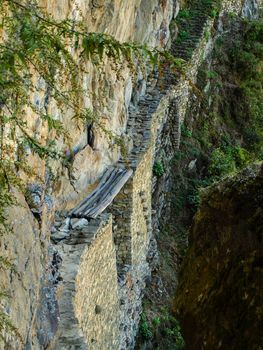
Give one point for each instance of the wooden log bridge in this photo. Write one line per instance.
(97, 201)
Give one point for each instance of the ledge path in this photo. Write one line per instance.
(105, 266)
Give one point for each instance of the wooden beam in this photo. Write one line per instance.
(102, 196)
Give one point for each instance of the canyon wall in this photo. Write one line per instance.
(108, 93)
(84, 288)
(224, 264)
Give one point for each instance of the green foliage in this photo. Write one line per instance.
(215, 7)
(240, 155)
(221, 164)
(213, 13)
(185, 131)
(183, 35)
(163, 326)
(97, 45)
(211, 74)
(145, 329)
(184, 13)
(5, 263)
(236, 105)
(158, 169)
(173, 330)
(207, 35)
(6, 325)
(226, 160)
(245, 57)
(156, 321)
(242, 54)
(40, 56)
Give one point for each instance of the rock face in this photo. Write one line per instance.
(60, 296)
(27, 248)
(223, 271)
(36, 288)
(108, 94)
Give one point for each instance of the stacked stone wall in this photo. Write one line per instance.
(121, 210)
(96, 301)
(164, 103)
(89, 302)
(99, 268)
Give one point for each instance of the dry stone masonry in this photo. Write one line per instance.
(90, 294)
(164, 100)
(88, 305)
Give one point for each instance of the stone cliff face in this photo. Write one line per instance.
(222, 273)
(33, 307)
(84, 289)
(108, 93)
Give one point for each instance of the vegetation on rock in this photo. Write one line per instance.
(41, 59)
(221, 135)
(163, 332)
(219, 298)
(223, 132)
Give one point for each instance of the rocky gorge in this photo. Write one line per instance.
(80, 282)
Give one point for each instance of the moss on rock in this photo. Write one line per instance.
(219, 299)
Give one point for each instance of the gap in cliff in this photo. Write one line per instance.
(220, 135)
(99, 267)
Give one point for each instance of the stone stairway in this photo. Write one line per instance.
(133, 220)
(132, 208)
(140, 118)
(191, 29)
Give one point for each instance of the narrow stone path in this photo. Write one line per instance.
(191, 31)
(191, 25)
(131, 209)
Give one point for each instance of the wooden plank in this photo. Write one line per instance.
(110, 196)
(100, 198)
(100, 190)
(107, 189)
(94, 193)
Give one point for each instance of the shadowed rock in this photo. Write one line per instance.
(219, 299)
